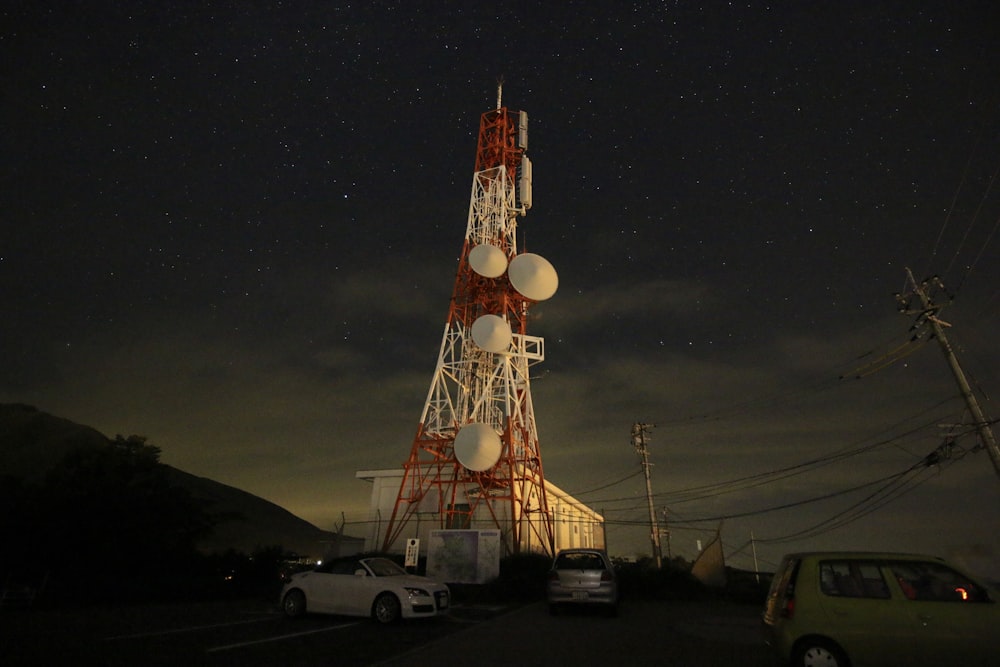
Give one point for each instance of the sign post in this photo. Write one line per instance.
(412, 552)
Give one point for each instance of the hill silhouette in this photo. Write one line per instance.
(32, 442)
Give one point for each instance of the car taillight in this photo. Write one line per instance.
(788, 609)
(606, 576)
(553, 576)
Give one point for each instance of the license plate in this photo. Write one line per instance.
(580, 595)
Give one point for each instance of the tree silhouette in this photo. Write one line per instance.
(105, 516)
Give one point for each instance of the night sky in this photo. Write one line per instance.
(233, 228)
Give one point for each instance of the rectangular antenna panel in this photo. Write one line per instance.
(522, 130)
(525, 182)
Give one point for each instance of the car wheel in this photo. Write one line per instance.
(819, 653)
(294, 604)
(386, 609)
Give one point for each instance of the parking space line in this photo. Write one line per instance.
(216, 649)
(177, 631)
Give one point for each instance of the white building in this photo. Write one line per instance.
(574, 524)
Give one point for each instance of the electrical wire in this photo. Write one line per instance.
(760, 479)
(982, 250)
(892, 488)
(958, 190)
(889, 358)
(609, 485)
(972, 223)
(753, 481)
(871, 503)
(943, 456)
(797, 503)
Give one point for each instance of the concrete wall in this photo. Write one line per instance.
(574, 524)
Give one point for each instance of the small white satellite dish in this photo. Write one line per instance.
(492, 333)
(488, 260)
(477, 446)
(533, 276)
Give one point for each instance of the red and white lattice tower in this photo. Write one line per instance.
(475, 461)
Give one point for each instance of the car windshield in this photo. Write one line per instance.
(383, 567)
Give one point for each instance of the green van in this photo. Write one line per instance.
(856, 609)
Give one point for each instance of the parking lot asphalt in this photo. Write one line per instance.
(643, 633)
(250, 633)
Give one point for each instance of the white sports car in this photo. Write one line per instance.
(375, 587)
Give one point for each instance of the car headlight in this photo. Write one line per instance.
(417, 592)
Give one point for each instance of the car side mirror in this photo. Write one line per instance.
(360, 572)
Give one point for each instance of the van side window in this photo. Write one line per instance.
(935, 582)
(852, 579)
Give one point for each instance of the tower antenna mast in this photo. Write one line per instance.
(475, 460)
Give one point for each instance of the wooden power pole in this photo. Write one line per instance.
(928, 312)
(639, 434)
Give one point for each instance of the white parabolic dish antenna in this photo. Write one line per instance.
(488, 260)
(492, 333)
(477, 446)
(533, 276)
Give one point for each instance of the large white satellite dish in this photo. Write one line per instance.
(488, 260)
(477, 446)
(533, 276)
(492, 333)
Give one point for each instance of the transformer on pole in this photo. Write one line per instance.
(475, 461)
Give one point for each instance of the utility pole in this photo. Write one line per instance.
(927, 312)
(639, 434)
(666, 532)
(604, 530)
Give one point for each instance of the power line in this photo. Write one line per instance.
(892, 488)
(871, 503)
(958, 190)
(759, 479)
(797, 503)
(972, 223)
(608, 485)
